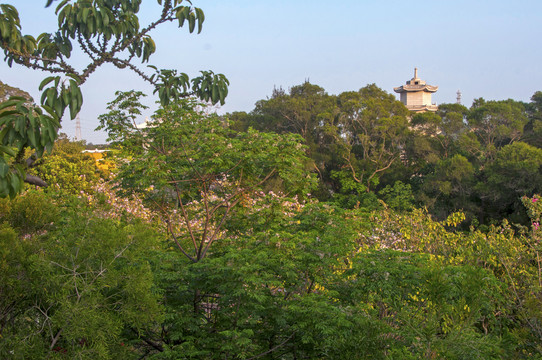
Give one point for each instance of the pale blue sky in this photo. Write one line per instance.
(485, 48)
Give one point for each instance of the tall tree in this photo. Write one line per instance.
(195, 172)
(444, 126)
(497, 123)
(533, 130)
(373, 131)
(516, 172)
(302, 111)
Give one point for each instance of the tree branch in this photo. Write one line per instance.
(35, 180)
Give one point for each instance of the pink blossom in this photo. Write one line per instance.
(536, 225)
(535, 199)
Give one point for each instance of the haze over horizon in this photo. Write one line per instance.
(484, 48)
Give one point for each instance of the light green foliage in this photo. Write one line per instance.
(67, 169)
(194, 171)
(106, 32)
(531, 304)
(430, 310)
(398, 197)
(80, 288)
(34, 212)
(513, 258)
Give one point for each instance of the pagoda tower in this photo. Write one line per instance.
(416, 94)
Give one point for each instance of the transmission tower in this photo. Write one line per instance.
(459, 97)
(78, 136)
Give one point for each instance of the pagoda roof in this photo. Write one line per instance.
(415, 84)
(414, 88)
(422, 108)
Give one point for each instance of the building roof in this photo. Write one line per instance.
(415, 84)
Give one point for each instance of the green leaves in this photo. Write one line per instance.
(22, 126)
(60, 96)
(109, 293)
(170, 86)
(192, 15)
(149, 47)
(9, 23)
(119, 122)
(211, 87)
(208, 87)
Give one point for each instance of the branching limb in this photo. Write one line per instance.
(35, 180)
(170, 229)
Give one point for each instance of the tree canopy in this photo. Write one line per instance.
(317, 226)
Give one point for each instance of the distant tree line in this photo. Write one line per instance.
(365, 145)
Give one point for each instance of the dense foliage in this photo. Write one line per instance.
(366, 145)
(210, 247)
(315, 227)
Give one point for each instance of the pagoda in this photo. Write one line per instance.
(416, 94)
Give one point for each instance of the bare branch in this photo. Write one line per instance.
(126, 63)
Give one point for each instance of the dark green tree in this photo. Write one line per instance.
(497, 123)
(515, 173)
(449, 187)
(533, 130)
(373, 133)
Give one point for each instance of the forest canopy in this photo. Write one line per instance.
(316, 226)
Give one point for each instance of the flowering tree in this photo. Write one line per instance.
(194, 171)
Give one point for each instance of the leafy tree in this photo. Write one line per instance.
(7, 91)
(431, 310)
(449, 187)
(398, 197)
(444, 126)
(195, 171)
(67, 168)
(374, 129)
(107, 32)
(265, 292)
(73, 284)
(297, 112)
(516, 172)
(497, 123)
(306, 110)
(533, 130)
